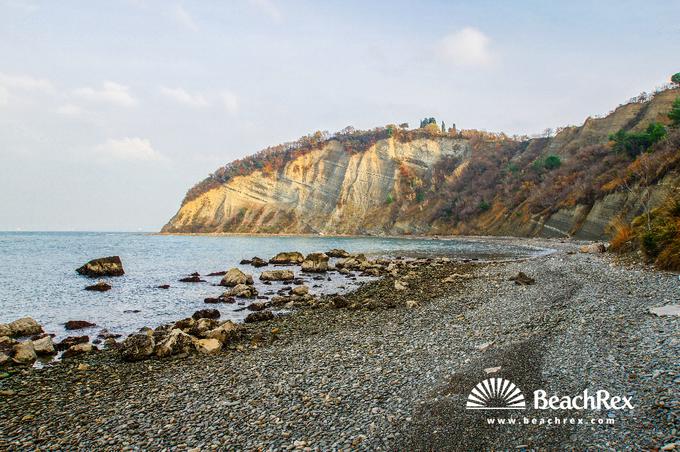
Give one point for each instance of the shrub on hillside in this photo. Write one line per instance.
(635, 143)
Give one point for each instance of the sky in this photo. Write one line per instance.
(111, 110)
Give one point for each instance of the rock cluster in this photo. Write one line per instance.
(234, 277)
(287, 257)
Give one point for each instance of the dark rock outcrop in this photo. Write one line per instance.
(103, 266)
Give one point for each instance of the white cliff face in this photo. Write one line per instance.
(325, 191)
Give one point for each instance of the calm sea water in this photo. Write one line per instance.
(38, 278)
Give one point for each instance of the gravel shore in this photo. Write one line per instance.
(388, 378)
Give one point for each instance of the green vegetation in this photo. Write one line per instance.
(484, 206)
(426, 121)
(389, 200)
(674, 114)
(552, 162)
(676, 78)
(420, 195)
(635, 143)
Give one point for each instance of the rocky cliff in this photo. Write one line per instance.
(442, 183)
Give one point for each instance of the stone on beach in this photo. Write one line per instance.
(78, 349)
(522, 279)
(299, 290)
(234, 277)
(315, 263)
(225, 333)
(70, 341)
(287, 257)
(103, 266)
(277, 275)
(593, 248)
(44, 346)
(206, 314)
(175, 343)
(25, 326)
(241, 291)
(259, 316)
(208, 346)
(337, 252)
(137, 347)
(23, 353)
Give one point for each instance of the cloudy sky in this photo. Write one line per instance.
(111, 110)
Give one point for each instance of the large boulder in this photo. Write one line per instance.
(71, 341)
(101, 286)
(23, 353)
(259, 316)
(337, 252)
(299, 290)
(277, 275)
(352, 262)
(137, 347)
(5, 330)
(315, 262)
(175, 343)
(78, 324)
(225, 333)
(593, 248)
(202, 326)
(234, 277)
(288, 257)
(258, 262)
(104, 266)
(25, 326)
(44, 346)
(208, 346)
(241, 291)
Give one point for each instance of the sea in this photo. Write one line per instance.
(38, 277)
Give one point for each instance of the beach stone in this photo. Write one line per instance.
(234, 277)
(25, 326)
(175, 343)
(288, 257)
(277, 275)
(192, 279)
(202, 326)
(260, 316)
(78, 324)
(241, 291)
(521, 279)
(337, 252)
(339, 302)
(5, 330)
(4, 359)
(101, 286)
(225, 333)
(185, 324)
(208, 346)
(206, 314)
(258, 262)
(315, 263)
(78, 349)
(70, 341)
(400, 285)
(593, 248)
(299, 290)
(412, 304)
(137, 347)
(23, 353)
(669, 310)
(103, 266)
(44, 346)
(352, 262)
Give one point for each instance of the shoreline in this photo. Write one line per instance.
(379, 377)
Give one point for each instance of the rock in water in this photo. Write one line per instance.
(234, 277)
(192, 279)
(241, 291)
(78, 349)
(337, 252)
(288, 257)
(299, 290)
(258, 262)
(78, 324)
(137, 347)
(23, 353)
(521, 279)
(104, 266)
(101, 286)
(206, 314)
(277, 275)
(315, 262)
(177, 342)
(259, 316)
(208, 346)
(25, 326)
(44, 346)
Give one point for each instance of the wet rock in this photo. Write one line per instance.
(44, 346)
(71, 341)
(258, 262)
(277, 275)
(315, 263)
(593, 248)
(339, 302)
(225, 333)
(185, 324)
(25, 326)
(352, 262)
(371, 272)
(163, 286)
(289, 257)
(23, 353)
(522, 279)
(234, 277)
(78, 324)
(101, 286)
(299, 290)
(222, 273)
(337, 252)
(202, 326)
(242, 291)
(175, 343)
(206, 314)
(192, 279)
(105, 334)
(260, 316)
(104, 266)
(78, 349)
(257, 306)
(5, 330)
(221, 299)
(137, 347)
(208, 346)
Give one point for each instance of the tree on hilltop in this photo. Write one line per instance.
(675, 78)
(674, 114)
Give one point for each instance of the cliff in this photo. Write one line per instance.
(431, 182)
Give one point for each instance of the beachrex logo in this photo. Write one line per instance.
(502, 394)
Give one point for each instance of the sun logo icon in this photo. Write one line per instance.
(495, 394)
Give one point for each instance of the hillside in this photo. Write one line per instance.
(427, 181)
